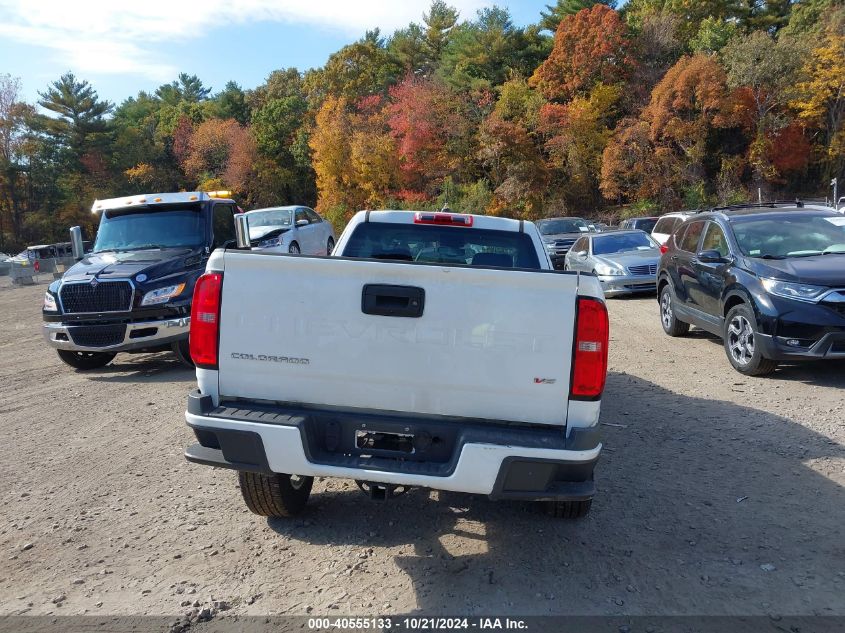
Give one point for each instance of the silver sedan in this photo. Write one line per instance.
(291, 229)
(624, 261)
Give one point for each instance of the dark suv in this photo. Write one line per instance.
(768, 279)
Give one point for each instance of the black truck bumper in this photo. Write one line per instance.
(503, 461)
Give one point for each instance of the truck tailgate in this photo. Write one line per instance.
(490, 343)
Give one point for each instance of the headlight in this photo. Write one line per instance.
(162, 295)
(606, 269)
(274, 241)
(50, 303)
(550, 246)
(799, 292)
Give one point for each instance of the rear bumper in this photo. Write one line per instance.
(616, 285)
(501, 461)
(138, 335)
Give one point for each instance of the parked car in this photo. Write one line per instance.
(559, 234)
(666, 224)
(769, 280)
(643, 224)
(132, 293)
(291, 229)
(449, 359)
(624, 261)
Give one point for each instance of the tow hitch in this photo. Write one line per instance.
(381, 492)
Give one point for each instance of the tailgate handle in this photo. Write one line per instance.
(393, 301)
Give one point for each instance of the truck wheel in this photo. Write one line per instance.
(739, 338)
(275, 495)
(329, 246)
(85, 360)
(294, 248)
(671, 325)
(569, 509)
(182, 349)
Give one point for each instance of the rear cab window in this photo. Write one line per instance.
(442, 245)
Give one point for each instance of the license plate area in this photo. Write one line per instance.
(377, 441)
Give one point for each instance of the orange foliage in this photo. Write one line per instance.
(790, 150)
(221, 149)
(591, 46)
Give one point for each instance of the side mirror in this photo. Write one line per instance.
(582, 255)
(711, 257)
(242, 231)
(77, 248)
(302, 223)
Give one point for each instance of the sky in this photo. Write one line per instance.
(141, 45)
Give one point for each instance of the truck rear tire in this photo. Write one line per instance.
(182, 350)
(569, 509)
(85, 360)
(275, 495)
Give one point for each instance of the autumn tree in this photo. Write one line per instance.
(666, 149)
(821, 100)
(591, 46)
(329, 143)
(763, 71)
(221, 152)
(576, 136)
(372, 152)
(426, 122)
(510, 150)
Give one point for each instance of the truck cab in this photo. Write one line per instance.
(132, 292)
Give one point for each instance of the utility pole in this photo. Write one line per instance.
(835, 184)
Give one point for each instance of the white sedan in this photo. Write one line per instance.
(291, 229)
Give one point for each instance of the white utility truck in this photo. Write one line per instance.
(432, 349)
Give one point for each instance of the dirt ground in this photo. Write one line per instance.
(718, 494)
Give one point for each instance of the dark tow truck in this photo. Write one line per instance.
(133, 292)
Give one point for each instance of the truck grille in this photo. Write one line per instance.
(645, 269)
(562, 246)
(98, 335)
(105, 296)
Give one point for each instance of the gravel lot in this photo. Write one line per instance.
(718, 494)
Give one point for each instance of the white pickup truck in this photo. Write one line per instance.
(432, 349)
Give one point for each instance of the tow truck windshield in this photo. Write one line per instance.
(142, 228)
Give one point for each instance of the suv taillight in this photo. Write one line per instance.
(664, 248)
(589, 357)
(205, 320)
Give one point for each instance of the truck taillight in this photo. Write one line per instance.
(205, 320)
(448, 219)
(589, 357)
